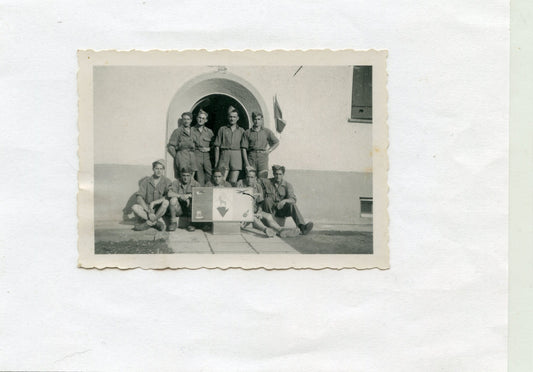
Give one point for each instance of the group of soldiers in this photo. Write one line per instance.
(234, 149)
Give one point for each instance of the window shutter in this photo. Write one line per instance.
(362, 93)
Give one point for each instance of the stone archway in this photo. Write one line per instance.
(226, 84)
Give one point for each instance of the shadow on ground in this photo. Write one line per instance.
(333, 242)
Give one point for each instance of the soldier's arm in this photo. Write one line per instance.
(245, 158)
(142, 203)
(171, 150)
(290, 197)
(273, 141)
(156, 202)
(217, 155)
(212, 140)
(174, 194)
(244, 150)
(218, 142)
(273, 147)
(140, 193)
(173, 143)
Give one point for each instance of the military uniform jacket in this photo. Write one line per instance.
(203, 139)
(179, 188)
(181, 140)
(258, 140)
(149, 191)
(228, 139)
(279, 192)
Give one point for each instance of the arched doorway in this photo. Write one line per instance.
(222, 89)
(216, 105)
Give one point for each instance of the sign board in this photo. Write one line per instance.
(222, 204)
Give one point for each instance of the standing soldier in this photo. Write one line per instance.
(203, 139)
(257, 142)
(181, 146)
(229, 141)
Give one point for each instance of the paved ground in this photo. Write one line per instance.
(119, 238)
(113, 238)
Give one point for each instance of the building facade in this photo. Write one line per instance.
(328, 155)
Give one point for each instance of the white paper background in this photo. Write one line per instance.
(442, 306)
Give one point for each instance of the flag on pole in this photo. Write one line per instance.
(278, 116)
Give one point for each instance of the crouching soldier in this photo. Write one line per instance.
(280, 200)
(151, 196)
(180, 195)
(263, 221)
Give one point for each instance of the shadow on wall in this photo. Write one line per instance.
(323, 196)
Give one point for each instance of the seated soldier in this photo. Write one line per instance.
(280, 200)
(262, 218)
(217, 179)
(152, 192)
(180, 195)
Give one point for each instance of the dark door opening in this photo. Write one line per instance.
(216, 105)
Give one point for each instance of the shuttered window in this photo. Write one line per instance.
(362, 94)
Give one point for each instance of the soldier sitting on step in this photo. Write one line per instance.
(152, 192)
(280, 200)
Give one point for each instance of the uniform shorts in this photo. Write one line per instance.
(231, 159)
(258, 160)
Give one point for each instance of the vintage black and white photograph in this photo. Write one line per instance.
(224, 159)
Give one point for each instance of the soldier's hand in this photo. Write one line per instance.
(281, 204)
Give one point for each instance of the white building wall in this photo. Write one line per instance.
(131, 106)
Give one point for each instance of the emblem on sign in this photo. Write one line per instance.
(218, 204)
(222, 209)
